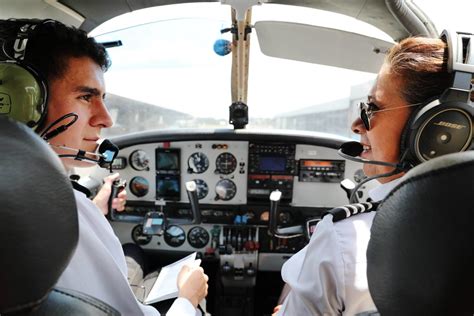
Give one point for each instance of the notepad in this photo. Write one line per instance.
(165, 286)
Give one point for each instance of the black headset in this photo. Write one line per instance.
(23, 90)
(444, 125)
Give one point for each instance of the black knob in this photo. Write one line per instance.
(226, 268)
(250, 271)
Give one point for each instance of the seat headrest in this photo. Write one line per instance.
(38, 218)
(420, 255)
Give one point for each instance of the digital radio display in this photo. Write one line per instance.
(315, 170)
(272, 163)
(316, 163)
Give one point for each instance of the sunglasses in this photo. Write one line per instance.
(368, 110)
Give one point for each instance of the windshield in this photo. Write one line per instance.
(453, 15)
(167, 75)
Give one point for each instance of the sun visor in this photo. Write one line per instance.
(321, 45)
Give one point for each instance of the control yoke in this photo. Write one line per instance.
(191, 189)
(155, 223)
(286, 232)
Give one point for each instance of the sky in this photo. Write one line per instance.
(179, 70)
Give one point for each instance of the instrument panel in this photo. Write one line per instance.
(235, 172)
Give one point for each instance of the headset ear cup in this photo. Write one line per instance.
(23, 94)
(439, 129)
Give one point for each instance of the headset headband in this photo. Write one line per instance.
(16, 36)
(461, 62)
(461, 57)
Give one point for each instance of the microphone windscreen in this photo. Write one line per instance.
(107, 145)
(353, 149)
(108, 151)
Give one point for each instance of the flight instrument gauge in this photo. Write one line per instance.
(139, 160)
(138, 237)
(174, 236)
(225, 190)
(225, 163)
(139, 186)
(198, 163)
(202, 188)
(198, 237)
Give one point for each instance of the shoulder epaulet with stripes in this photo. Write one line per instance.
(346, 211)
(80, 188)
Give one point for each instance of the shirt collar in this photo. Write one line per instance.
(380, 192)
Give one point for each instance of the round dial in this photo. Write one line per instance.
(225, 163)
(198, 163)
(174, 236)
(139, 160)
(202, 188)
(138, 237)
(198, 237)
(225, 190)
(139, 186)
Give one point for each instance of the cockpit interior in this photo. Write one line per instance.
(229, 119)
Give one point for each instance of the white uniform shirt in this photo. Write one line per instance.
(98, 266)
(328, 276)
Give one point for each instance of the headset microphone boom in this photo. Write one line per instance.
(352, 150)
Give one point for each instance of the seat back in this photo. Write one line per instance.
(38, 228)
(421, 252)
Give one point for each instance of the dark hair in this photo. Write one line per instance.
(52, 43)
(421, 63)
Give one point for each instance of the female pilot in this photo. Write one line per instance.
(328, 276)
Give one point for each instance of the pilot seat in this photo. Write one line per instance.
(38, 229)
